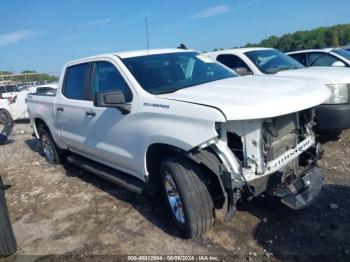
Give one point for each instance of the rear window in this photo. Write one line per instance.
(78, 82)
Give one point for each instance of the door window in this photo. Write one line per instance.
(233, 62)
(78, 82)
(301, 58)
(11, 89)
(321, 59)
(107, 78)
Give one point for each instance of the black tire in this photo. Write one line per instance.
(196, 202)
(57, 153)
(8, 245)
(6, 123)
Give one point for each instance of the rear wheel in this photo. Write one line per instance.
(52, 152)
(8, 244)
(6, 122)
(187, 197)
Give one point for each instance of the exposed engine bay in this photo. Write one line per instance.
(277, 156)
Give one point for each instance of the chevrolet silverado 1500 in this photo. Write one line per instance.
(177, 122)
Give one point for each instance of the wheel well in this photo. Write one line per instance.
(211, 167)
(154, 156)
(39, 122)
(157, 152)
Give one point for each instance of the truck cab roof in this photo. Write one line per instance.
(129, 54)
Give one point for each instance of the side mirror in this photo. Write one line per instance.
(112, 99)
(243, 71)
(338, 64)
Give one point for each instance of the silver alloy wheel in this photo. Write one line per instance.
(174, 198)
(48, 148)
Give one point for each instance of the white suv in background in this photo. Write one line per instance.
(333, 115)
(13, 100)
(337, 57)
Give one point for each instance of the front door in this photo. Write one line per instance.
(102, 134)
(111, 136)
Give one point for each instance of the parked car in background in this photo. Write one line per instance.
(175, 121)
(347, 47)
(337, 57)
(13, 105)
(46, 88)
(7, 91)
(333, 115)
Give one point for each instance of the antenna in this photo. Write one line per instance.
(147, 37)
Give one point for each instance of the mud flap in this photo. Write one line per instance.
(304, 189)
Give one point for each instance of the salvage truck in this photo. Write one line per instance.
(175, 122)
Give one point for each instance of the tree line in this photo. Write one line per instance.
(28, 76)
(321, 37)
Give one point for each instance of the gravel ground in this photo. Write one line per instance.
(61, 210)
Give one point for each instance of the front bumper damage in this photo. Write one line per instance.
(290, 172)
(303, 190)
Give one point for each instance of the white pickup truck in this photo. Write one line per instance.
(174, 120)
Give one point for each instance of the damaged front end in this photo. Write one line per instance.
(276, 155)
(298, 190)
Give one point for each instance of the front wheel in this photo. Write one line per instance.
(187, 196)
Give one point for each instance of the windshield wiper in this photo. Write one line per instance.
(167, 91)
(284, 68)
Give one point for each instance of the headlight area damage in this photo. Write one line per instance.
(277, 156)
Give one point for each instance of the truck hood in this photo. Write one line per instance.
(254, 97)
(322, 75)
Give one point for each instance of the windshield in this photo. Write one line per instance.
(165, 73)
(342, 52)
(272, 61)
(21, 88)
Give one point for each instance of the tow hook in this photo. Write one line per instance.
(319, 150)
(316, 151)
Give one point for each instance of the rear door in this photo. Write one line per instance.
(18, 103)
(4, 101)
(8, 99)
(73, 102)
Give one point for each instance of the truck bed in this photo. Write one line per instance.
(42, 106)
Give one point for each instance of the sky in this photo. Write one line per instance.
(43, 35)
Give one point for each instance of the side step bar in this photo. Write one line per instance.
(116, 177)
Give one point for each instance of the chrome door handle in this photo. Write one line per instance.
(59, 109)
(90, 113)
